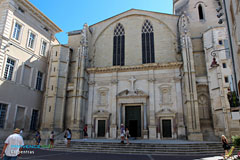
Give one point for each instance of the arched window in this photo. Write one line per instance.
(200, 12)
(118, 45)
(147, 43)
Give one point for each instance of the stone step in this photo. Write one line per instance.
(143, 144)
(137, 147)
(142, 148)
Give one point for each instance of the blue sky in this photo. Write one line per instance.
(70, 15)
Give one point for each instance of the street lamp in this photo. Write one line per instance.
(213, 54)
(214, 62)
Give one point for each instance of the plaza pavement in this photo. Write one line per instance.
(56, 155)
(43, 154)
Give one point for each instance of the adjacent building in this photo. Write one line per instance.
(231, 9)
(233, 16)
(26, 36)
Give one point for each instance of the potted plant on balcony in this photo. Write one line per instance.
(232, 98)
(236, 143)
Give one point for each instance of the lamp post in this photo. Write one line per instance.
(213, 54)
(232, 95)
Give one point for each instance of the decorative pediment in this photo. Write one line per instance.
(136, 93)
(101, 114)
(166, 112)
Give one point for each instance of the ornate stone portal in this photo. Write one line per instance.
(128, 99)
(146, 105)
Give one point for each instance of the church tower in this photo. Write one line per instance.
(202, 16)
(201, 13)
(198, 29)
(196, 17)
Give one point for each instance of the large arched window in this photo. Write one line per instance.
(200, 12)
(147, 43)
(118, 45)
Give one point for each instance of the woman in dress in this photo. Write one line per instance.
(226, 146)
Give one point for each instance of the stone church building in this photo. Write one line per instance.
(147, 70)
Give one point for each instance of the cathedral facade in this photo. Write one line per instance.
(150, 71)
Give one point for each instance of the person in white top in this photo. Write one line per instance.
(13, 146)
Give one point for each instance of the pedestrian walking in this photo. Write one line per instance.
(9, 152)
(225, 145)
(85, 131)
(52, 139)
(68, 135)
(127, 135)
(38, 138)
(122, 129)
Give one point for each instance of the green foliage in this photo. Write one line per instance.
(236, 141)
(234, 98)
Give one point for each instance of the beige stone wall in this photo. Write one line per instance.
(55, 96)
(164, 38)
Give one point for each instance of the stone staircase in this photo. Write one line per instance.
(143, 148)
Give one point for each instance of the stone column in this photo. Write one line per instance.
(90, 107)
(119, 116)
(145, 132)
(180, 120)
(113, 127)
(152, 125)
(191, 99)
(119, 108)
(145, 115)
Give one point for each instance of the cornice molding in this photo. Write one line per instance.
(35, 11)
(150, 66)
